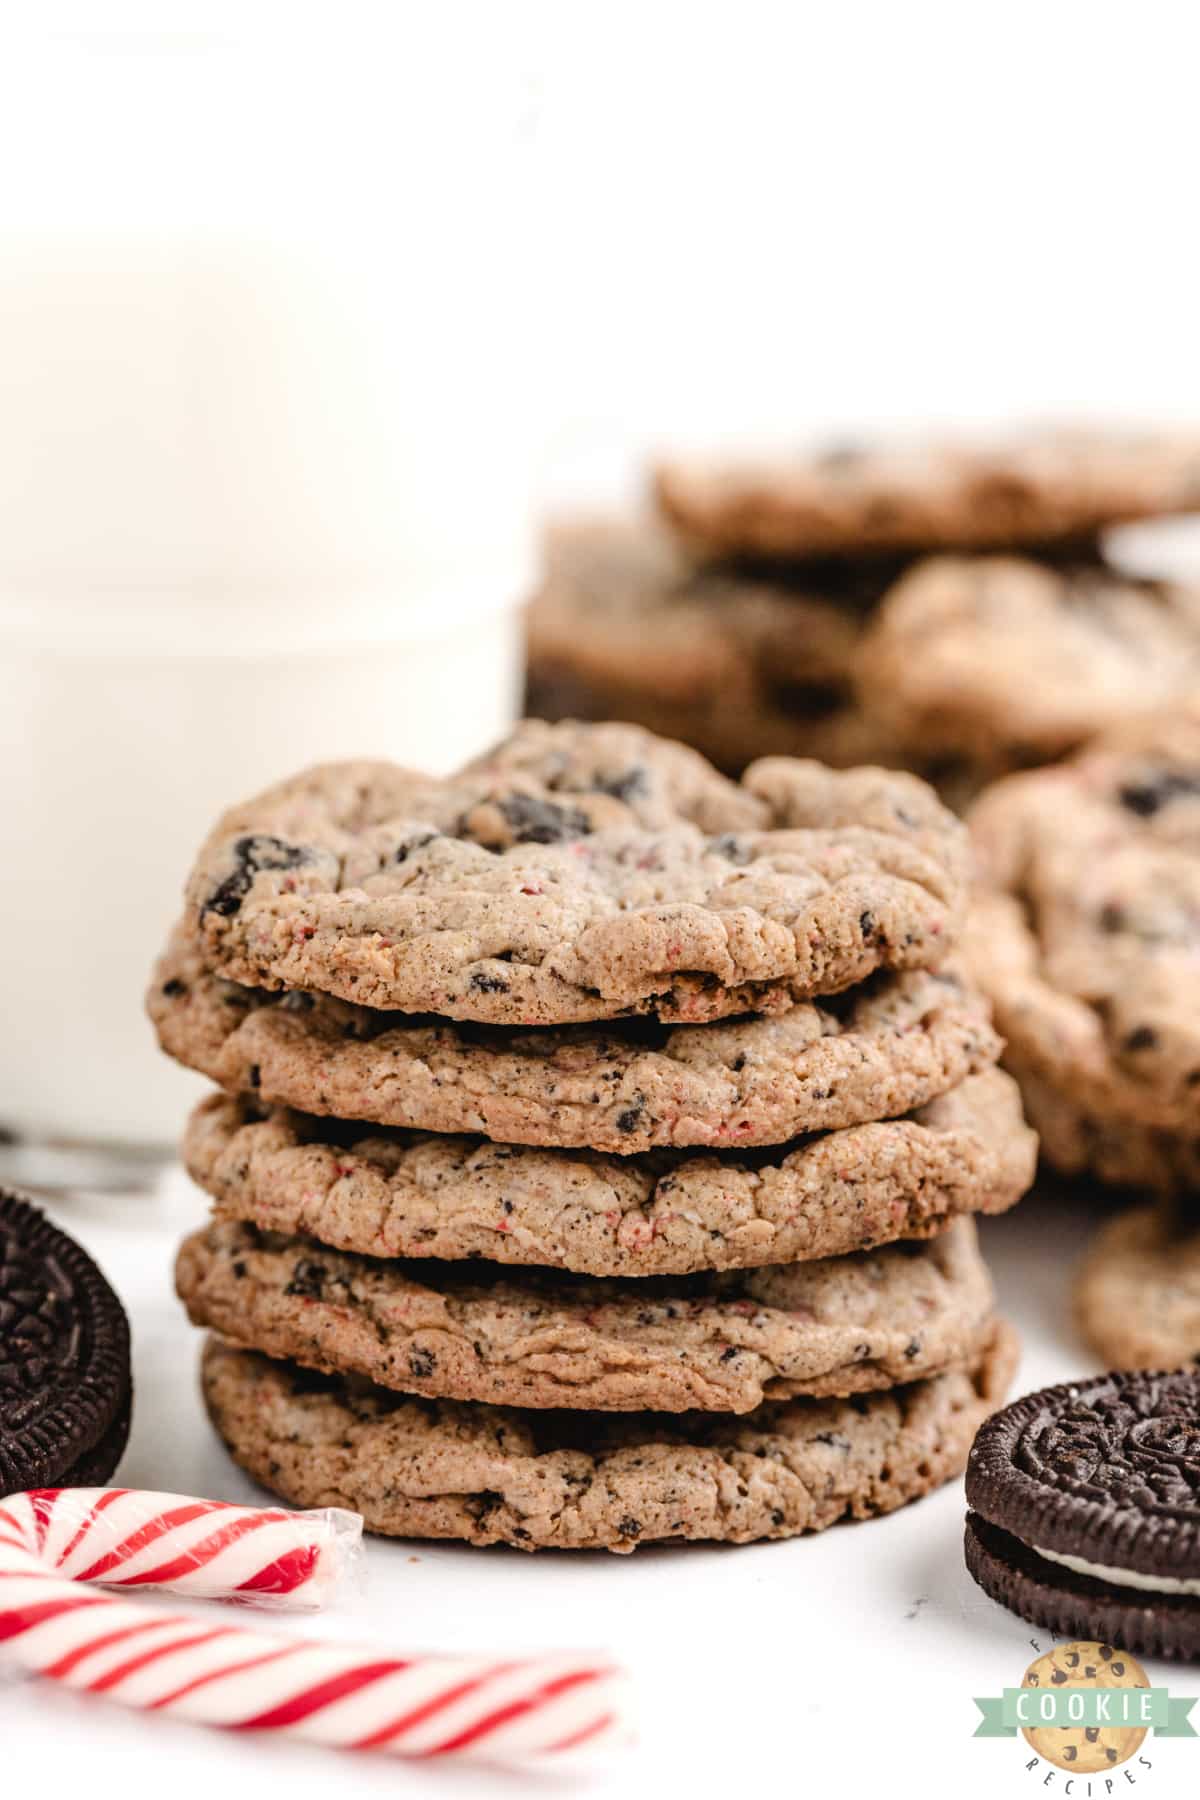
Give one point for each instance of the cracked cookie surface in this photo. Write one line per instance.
(1089, 951)
(872, 1053)
(405, 1194)
(1008, 660)
(491, 1475)
(1048, 487)
(580, 872)
(840, 1325)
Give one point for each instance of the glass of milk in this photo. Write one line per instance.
(265, 456)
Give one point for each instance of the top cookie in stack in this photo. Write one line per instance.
(944, 608)
(499, 1016)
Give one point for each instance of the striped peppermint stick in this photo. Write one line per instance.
(122, 1537)
(488, 1708)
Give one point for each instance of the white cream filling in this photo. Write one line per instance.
(1130, 1578)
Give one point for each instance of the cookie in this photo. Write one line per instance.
(1052, 487)
(738, 663)
(394, 1193)
(1085, 1749)
(64, 1357)
(877, 1051)
(1091, 959)
(580, 872)
(1137, 1294)
(537, 1480)
(1008, 660)
(458, 1331)
(1085, 1512)
(1079, 1139)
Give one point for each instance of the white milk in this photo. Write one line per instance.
(264, 499)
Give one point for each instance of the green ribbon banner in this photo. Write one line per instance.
(1025, 1708)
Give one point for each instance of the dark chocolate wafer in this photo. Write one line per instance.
(64, 1357)
(1086, 1510)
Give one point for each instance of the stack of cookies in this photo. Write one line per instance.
(944, 609)
(597, 1143)
(1089, 948)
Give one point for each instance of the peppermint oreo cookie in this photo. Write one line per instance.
(585, 1481)
(1085, 1512)
(580, 872)
(64, 1358)
(739, 662)
(1010, 661)
(1087, 948)
(539, 1338)
(1046, 488)
(885, 1047)
(1137, 1293)
(404, 1193)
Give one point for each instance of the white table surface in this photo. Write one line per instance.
(848, 1661)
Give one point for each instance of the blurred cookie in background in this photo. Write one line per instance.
(1012, 661)
(1045, 486)
(1137, 1293)
(1086, 945)
(738, 662)
(939, 607)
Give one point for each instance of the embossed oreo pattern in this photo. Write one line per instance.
(64, 1351)
(1106, 1469)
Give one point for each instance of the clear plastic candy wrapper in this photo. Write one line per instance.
(206, 1549)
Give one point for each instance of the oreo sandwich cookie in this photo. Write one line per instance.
(65, 1388)
(1085, 1511)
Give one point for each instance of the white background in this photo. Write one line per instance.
(748, 220)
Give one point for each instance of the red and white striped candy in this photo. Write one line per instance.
(494, 1709)
(124, 1537)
